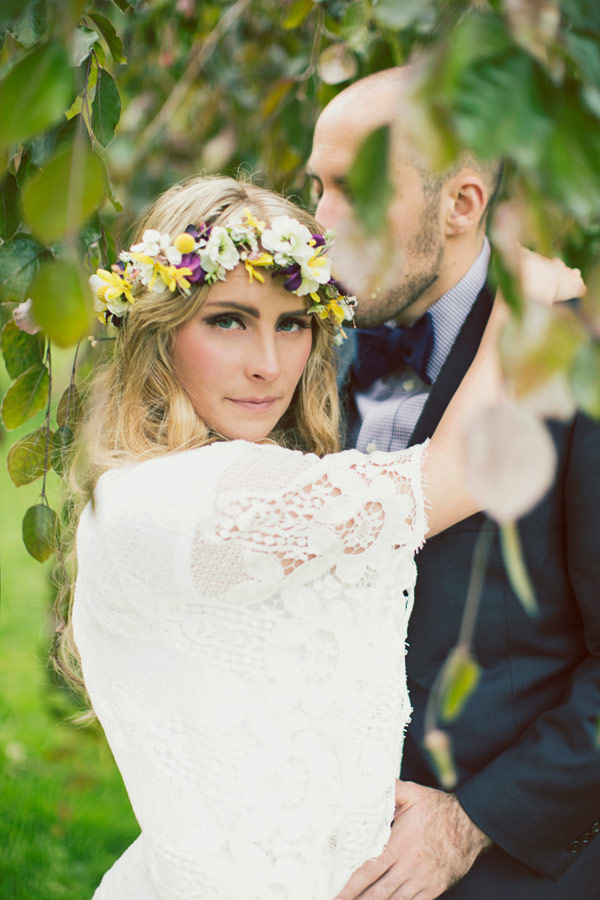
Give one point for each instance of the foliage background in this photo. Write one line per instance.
(105, 103)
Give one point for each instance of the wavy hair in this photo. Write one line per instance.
(135, 407)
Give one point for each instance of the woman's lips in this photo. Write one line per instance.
(255, 404)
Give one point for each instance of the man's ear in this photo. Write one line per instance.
(465, 199)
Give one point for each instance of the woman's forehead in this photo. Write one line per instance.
(238, 288)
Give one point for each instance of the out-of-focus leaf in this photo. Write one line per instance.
(32, 24)
(510, 461)
(19, 261)
(35, 93)
(336, 64)
(586, 54)
(20, 350)
(62, 302)
(534, 25)
(81, 45)
(91, 233)
(62, 443)
(40, 527)
(10, 206)
(9, 10)
(26, 396)
(106, 108)
(124, 5)
(365, 263)
(438, 745)
(392, 14)
(106, 30)
(369, 181)
(297, 13)
(64, 195)
(68, 411)
(459, 679)
(275, 96)
(585, 379)
(583, 14)
(27, 458)
(42, 147)
(515, 567)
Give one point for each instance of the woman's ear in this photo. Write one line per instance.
(465, 200)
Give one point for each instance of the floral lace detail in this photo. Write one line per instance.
(244, 650)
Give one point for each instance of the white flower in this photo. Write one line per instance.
(155, 244)
(219, 254)
(315, 271)
(239, 231)
(23, 316)
(288, 240)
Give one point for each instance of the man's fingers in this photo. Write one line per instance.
(368, 874)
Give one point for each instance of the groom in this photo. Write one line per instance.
(523, 820)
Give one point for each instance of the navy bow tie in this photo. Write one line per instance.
(382, 350)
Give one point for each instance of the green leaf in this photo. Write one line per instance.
(106, 30)
(515, 567)
(40, 527)
(26, 396)
(106, 108)
(35, 93)
(19, 261)
(459, 680)
(9, 10)
(68, 411)
(26, 459)
(19, 349)
(10, 206)
(369, 181)
(62, 444)
(438, 745)
(297, 13)
(392, 14)
(123, 5)
(81, 45)
(62, 302)
(585, 379)
(32, 25)
(60, 198)
(583, 14)
(586, 54)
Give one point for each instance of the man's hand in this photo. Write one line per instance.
(433, 844)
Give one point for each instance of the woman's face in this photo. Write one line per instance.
(241, 356)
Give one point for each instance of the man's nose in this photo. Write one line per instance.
(328, 212)
(264, 362)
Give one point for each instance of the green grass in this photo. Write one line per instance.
(64, 814)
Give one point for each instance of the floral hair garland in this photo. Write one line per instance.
(204, 255)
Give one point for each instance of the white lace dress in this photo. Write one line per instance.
(241, 614)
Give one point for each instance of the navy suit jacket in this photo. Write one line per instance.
(526, 745)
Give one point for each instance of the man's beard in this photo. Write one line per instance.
(422, 267)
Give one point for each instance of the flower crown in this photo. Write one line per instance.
(204, 255)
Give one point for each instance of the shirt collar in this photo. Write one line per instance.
(450, 311)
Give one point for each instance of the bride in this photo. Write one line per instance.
(243, 589)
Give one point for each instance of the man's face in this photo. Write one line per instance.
(413, 214)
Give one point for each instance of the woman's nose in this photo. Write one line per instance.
(264, 363)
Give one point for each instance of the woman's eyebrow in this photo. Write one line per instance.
(231, 304)
(295, 312)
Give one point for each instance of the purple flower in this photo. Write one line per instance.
(192, 261)
(319, 240)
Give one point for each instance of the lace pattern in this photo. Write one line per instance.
(244, 651)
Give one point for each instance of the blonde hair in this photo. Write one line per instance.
(136, 408)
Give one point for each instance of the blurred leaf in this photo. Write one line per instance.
(369, 181)
(40, 527)
(275, 96)
(586, 54)
(297, 13)
(68, 411)
(10, 206)
(510, 460)
(9, 10)
(81, 45)
(32, 24)
(583, 14)
(459, 679)
(27, 458)
(124, 5)
(62, 302)
(438, 745)
(106, 30)
(26, 396)
(585, 379)
(106, 108)
(336, 64)
(35, 93)
(91, 233)
(60, 198)
(42, 146)
(19, 261)
(515, 567)
(507, 282)
(62, 444)
(19, 349)
(400, 15)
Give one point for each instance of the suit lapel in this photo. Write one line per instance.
(457, 362)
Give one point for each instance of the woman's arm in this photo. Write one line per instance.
(543, 280)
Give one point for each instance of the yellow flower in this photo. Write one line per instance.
(254, 223)
(336, 312)
(115, 286)
(184, 242)
(172, 276)
(265, 259)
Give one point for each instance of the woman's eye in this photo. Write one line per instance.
(226, 322)
(291, 325)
